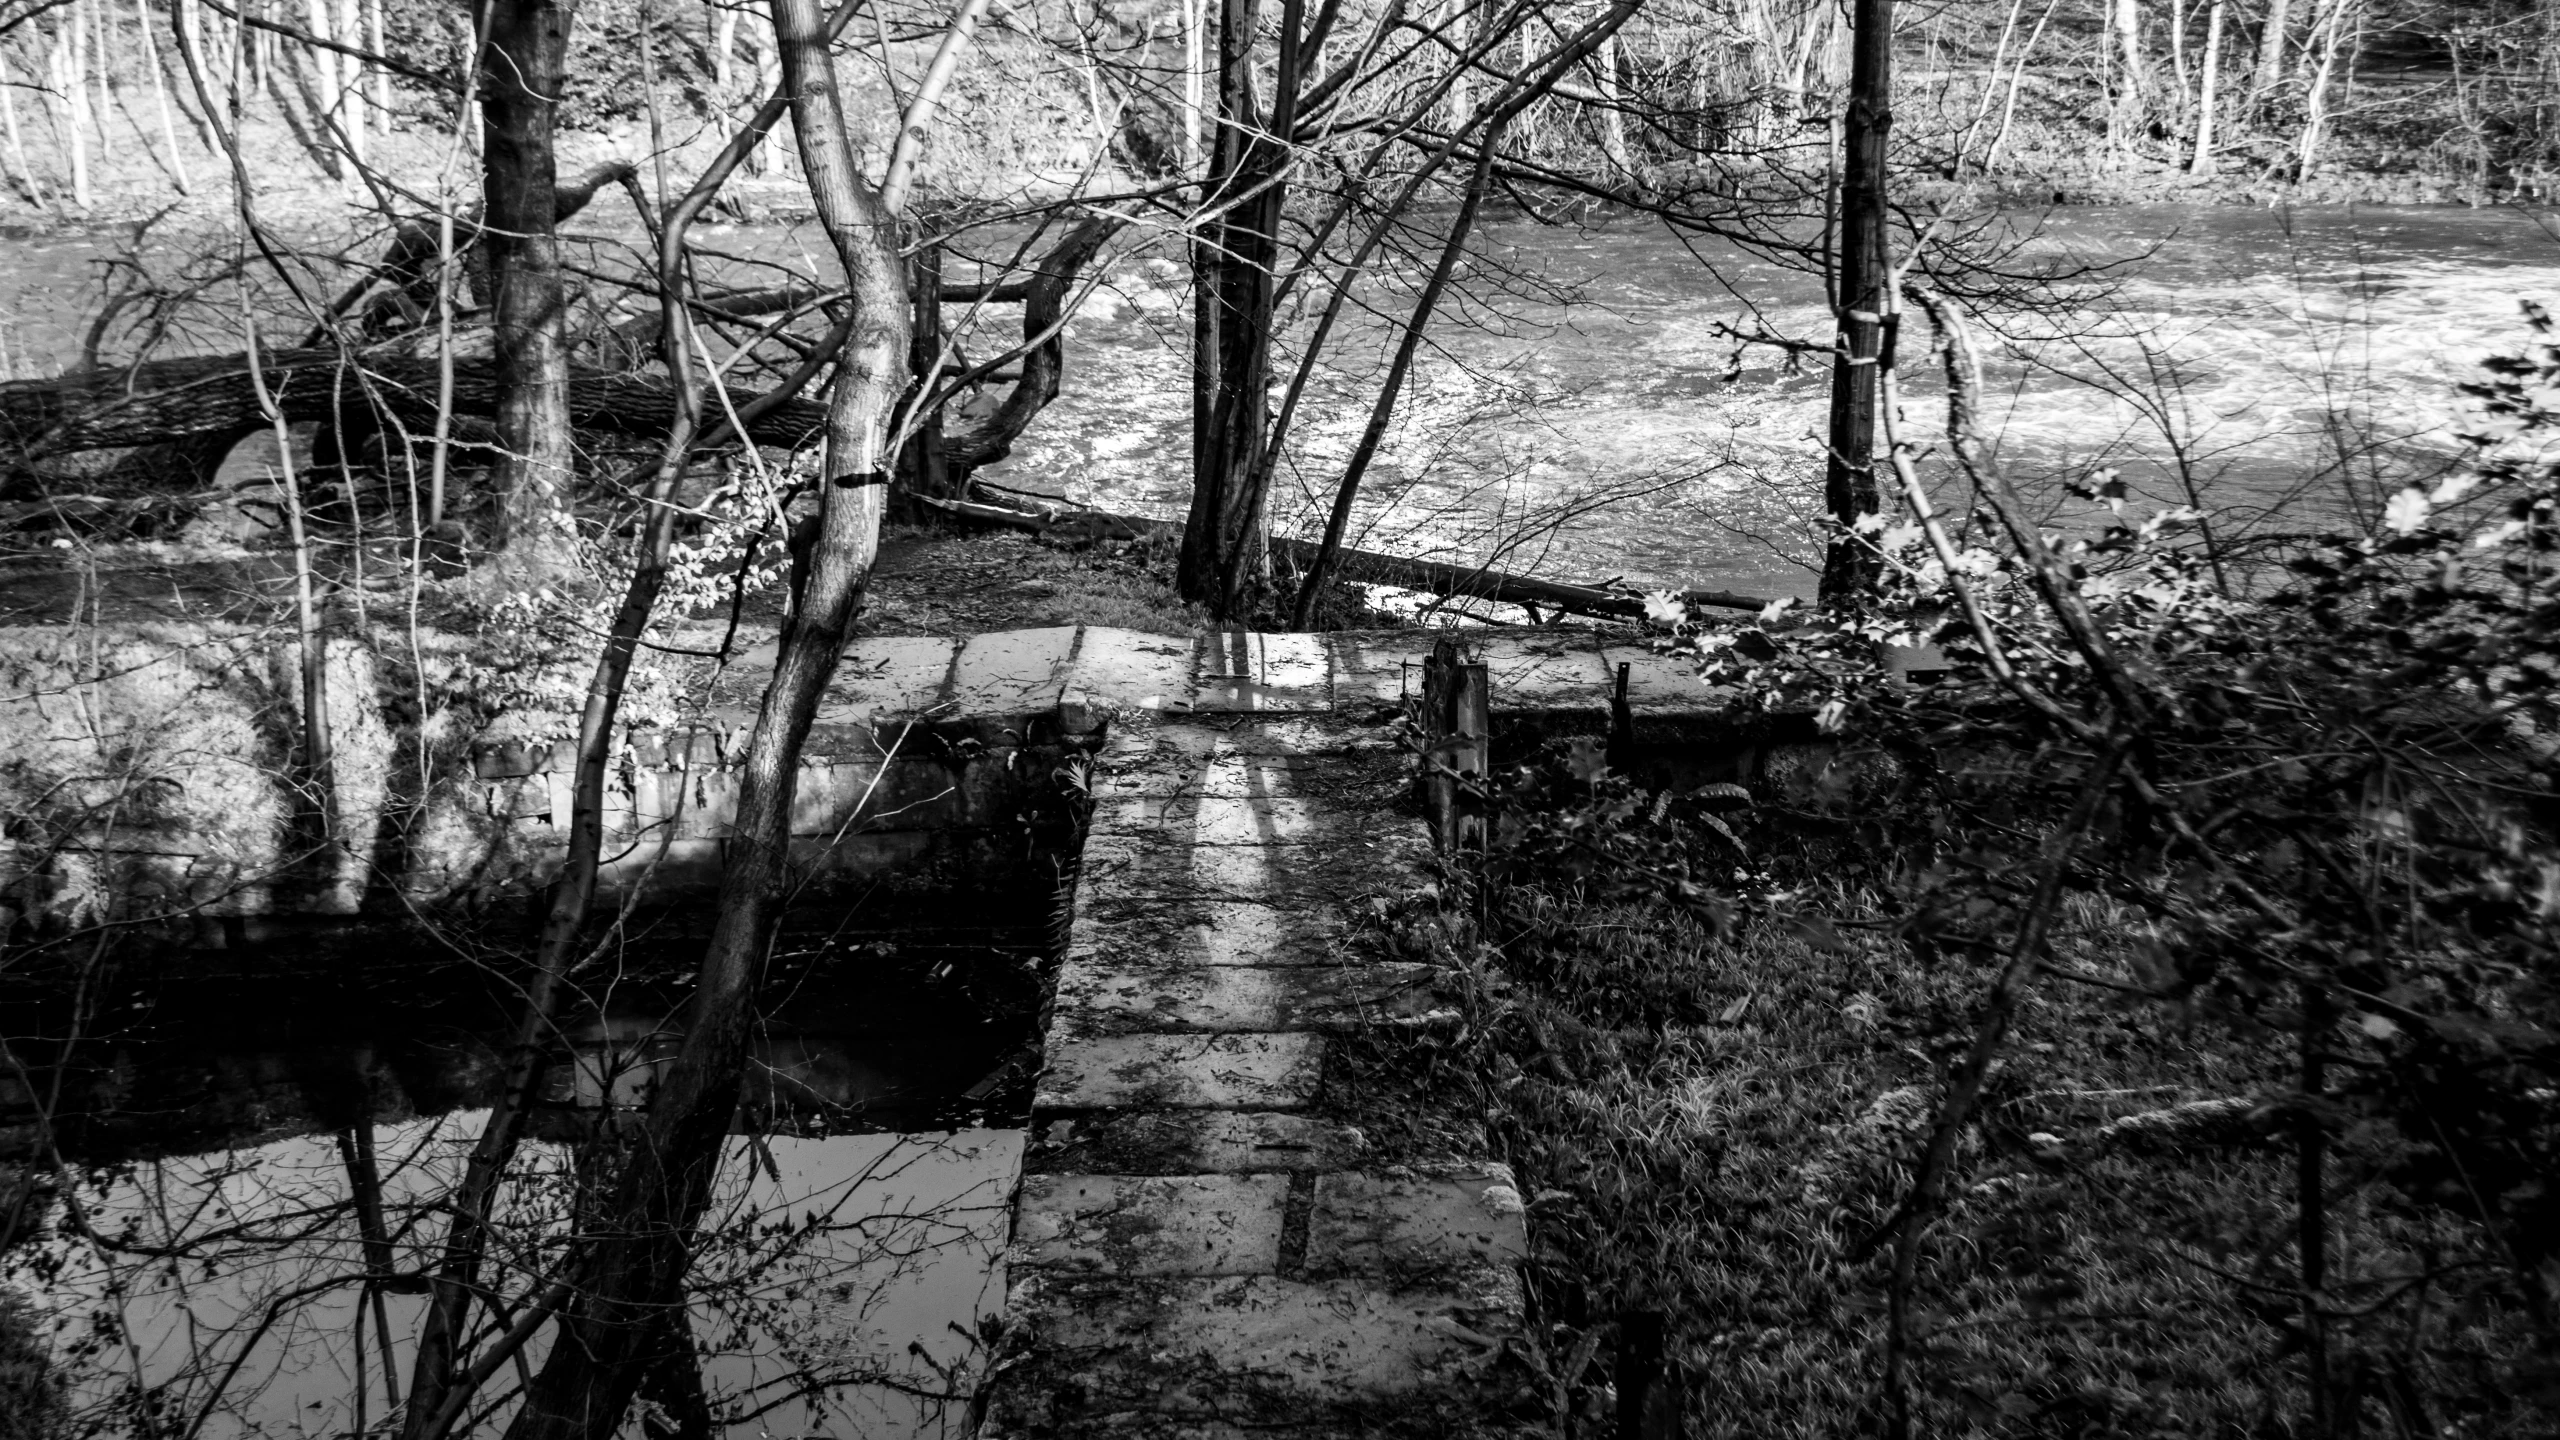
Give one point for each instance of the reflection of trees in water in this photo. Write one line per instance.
(835, 1283)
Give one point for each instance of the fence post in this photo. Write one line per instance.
(1457, 754)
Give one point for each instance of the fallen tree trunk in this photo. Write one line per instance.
(212, 398)
(1437, 577)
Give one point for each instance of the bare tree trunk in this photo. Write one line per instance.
(327, 93)
(1613, 121)
(63, 65)
(1224, 558)
(1990, 86)
(2178, 57)
(2202, 164)
(381, 77)
(353, 101)
(17, 138)
(924, 468)
(1461, 98)
(1850, 492)
(523, 60)
(160, 97)
(2270, 53)
(632, 1273)
(2328, 36)
(2009, 103)
(1195, 18)
(2132, 96)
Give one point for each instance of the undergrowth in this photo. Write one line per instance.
(1710, 1109)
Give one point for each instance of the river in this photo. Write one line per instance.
(2265, 337)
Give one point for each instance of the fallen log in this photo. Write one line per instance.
(1437, 577)
(212, 398)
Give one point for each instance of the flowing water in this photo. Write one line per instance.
(2260, 341)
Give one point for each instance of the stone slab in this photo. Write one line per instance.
(1222, 819)
(1374, 669)
(1322, 1342)
(1246, 671)
(1128, 670)
(1092, 1000)
(1406, 1222)
(1186, 1142)
(888, 676)
(1150, 1225)
(1131, 864)
(1112, 929)
(1011, 672)
(1182, 1072)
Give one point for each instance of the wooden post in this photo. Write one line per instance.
(1457, 722)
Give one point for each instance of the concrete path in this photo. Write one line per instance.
(1204, 1246)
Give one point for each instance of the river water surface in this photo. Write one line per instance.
(1584, 412)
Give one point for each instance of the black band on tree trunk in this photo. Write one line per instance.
(860, 480)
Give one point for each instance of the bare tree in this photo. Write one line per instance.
(524, 61)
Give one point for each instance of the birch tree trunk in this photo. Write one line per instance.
(1613, 121)
(160, 97)
(353, 101)
(1194, 18)
(2328, 36)
(17, 137)
(1461, 99)
(2202, 164)
(327, 89)
(62, 66)
(2270, 53)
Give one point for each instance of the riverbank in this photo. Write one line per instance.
(135, 186)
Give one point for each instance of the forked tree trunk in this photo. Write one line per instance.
(2329, 34)
(632, 1273)
(524, 60)
(1850, 491)
(1223, 563)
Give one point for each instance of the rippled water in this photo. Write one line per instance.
(2262, 338)
(2265, 342)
